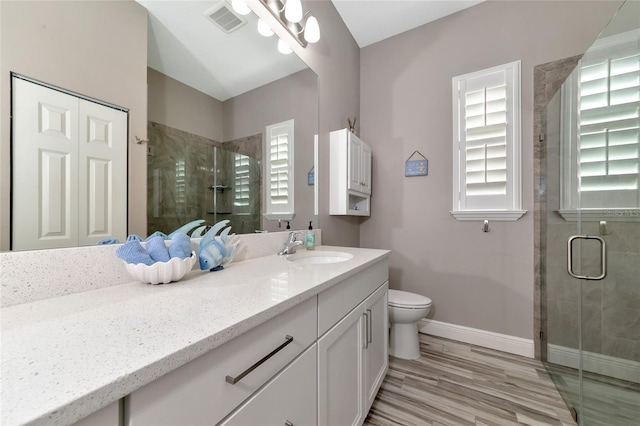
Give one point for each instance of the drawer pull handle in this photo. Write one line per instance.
(288, 423)
(365, 324)
(234, 380)
(369, 326)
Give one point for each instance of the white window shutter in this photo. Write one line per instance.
(279, 170)
(601, 107)
(241, 190)
(487, 144)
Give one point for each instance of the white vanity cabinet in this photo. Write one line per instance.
(353, 347)
(108, 416)
(326, 359)
(290, 399)
(199, 393)
(350, 174)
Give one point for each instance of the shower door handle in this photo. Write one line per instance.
(603, 257)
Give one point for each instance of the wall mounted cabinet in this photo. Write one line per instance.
(350, 174)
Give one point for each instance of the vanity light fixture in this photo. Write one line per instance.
(293, 11)
(303, 27)
(283, 47)
(240, 7)
(264, 29)
(312, 30)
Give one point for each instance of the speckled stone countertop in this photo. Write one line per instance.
(66, 357)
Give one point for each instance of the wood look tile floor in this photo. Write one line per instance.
(459, 384)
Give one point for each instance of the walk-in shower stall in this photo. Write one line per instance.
(588, 223)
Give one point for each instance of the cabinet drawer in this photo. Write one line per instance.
(339, 300)
(290, 397)
(198, 393)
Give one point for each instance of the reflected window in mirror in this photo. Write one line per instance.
(279, 171)
(242, 189)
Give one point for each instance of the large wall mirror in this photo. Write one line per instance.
(200, 98)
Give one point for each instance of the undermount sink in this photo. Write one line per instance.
(319, 257)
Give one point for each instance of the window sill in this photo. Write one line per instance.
(596, 215)
(497, 215)
(279, 216)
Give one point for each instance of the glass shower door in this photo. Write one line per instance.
(609, 210)
(592, 224)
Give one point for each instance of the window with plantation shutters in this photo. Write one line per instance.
(487, 144)
(242, 174)
(279, 171)
(600, 127)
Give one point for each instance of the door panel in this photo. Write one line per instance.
(102, 173)
(54, 212)
(45, 180)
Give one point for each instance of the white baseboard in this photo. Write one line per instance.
(474, 336)
(596, 363)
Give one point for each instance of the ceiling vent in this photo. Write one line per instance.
(224, 17)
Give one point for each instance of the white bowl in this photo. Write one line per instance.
(162, 272)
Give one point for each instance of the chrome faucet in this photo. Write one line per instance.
(291, 244)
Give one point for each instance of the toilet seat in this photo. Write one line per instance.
(404, 299)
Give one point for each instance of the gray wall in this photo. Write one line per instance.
(293, 97)
(475, 279)
(177, 105)
(97, 49)
(336, 61)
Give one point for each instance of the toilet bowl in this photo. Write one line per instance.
(405, 310)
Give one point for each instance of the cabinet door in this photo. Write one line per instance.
(376, 354)
(365, 169)
(340, 372)
(354, 181)
(290, 397)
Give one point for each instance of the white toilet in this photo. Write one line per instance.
(405, 310)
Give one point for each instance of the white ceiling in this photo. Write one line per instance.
(185, 45)
(371, 21)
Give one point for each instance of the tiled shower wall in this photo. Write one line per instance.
(610, 307)
(184, 171)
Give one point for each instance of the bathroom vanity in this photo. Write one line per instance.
(264, 341)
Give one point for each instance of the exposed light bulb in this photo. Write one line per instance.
(241, 7)
(312, 30)
(293, 11)
(264, 29)
(283, 47)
